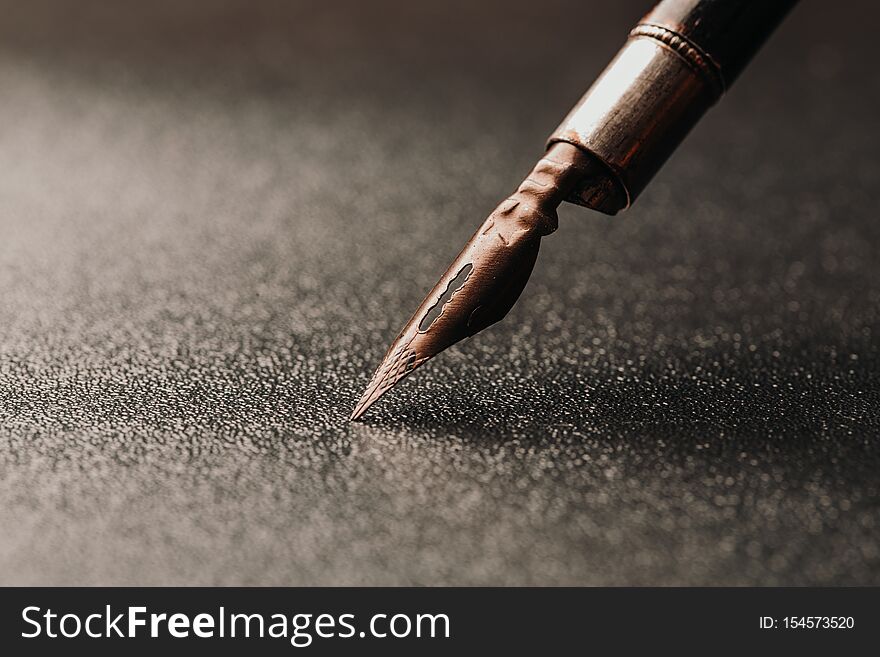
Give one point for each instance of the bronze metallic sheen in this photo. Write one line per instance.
(674, 66)
(500, 256)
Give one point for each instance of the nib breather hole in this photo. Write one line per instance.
(454, 286)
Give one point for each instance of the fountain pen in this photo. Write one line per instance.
(678, 60)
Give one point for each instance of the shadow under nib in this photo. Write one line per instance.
(486, 278)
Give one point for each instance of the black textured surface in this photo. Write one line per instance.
(215, 218)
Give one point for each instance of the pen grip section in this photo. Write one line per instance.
(676, 63)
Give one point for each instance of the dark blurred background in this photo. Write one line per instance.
(214, 217)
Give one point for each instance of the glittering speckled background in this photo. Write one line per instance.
(214, 217)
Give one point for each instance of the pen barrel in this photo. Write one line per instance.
(676, 63)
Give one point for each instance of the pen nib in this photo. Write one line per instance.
(486, 278)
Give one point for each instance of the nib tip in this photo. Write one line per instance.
(398, 364)
(364, 403)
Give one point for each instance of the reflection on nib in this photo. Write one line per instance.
(487, 277)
